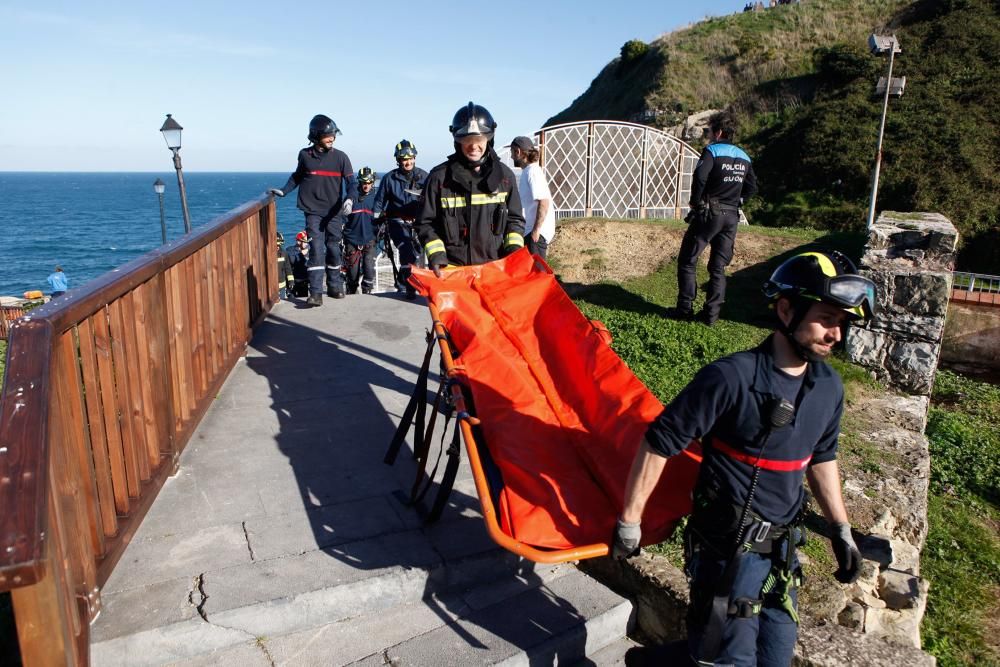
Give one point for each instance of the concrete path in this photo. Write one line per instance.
(284, 539)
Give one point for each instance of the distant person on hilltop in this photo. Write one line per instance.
(398, 199)
(323, 175)
(539, 215)
(359, 236)
(471, 211)
(58, 282)
(722, 181)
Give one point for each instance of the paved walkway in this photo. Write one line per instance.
(284, 539)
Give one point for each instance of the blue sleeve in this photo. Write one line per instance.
(826, 448)
(350, 179)
(297, 175)
(694, 411)
(379, 204)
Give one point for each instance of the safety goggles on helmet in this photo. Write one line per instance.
(405, 150)
(366, 175)
(829, 277)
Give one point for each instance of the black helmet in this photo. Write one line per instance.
(829, 277)
(366, 175)
(405, 150)
(281, 238)
(321, 126)
(472, 119)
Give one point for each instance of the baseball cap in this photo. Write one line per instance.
(524, 143)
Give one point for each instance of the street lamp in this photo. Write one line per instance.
(879, 45)
(172, 135)
(159, 187)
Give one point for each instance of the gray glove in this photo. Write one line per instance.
(347, 207)
(625, 543)
(276, 192)
(847, 553)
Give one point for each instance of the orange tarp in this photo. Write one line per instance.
(561, 414)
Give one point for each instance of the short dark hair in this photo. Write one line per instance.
(724, 121)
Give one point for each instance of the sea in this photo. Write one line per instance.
(90, 223)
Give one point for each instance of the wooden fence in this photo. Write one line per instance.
(7, 316)
(103, 390)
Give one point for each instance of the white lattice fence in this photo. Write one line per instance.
(614, 169)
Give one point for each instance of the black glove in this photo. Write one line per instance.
(847, 553)
(625, 543)
(696, 214)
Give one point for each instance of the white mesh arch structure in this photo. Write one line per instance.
(614, 169)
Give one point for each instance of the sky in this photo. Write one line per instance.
(87, 85)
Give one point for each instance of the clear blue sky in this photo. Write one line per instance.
(86, 85)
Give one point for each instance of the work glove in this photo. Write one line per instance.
(696, 214)
(347, 207)
(437, 261)
(626, 540)
(847, 553)
(276, 192)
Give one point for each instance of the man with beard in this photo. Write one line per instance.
(471, 211)
(766, 417)
(398, 198)
(539, 214)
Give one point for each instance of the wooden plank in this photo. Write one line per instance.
(73, 434)
(208, 303)
(195, 332)
(71, 480)
(109, 406)
(123, 396)
(136, 403)
(161, 363)
(154, 427)
(96, 429)
(229, 292)
(44, 622)
(182, 346)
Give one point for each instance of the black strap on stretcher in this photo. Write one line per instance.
(415, 415)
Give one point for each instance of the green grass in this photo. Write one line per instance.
(962, 555)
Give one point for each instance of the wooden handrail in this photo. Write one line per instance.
(103, 389)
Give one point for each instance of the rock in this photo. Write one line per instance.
(899, 590)
(852, 616)
(830, 645)
(693, 127)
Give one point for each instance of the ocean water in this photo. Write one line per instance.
(90, 223)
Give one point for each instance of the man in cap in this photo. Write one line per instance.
(539, 214)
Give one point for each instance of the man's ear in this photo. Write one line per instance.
(784, 310)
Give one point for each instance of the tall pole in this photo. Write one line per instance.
(180, 185)
(163, 219)
(881, 133)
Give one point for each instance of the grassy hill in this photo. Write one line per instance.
(801, 80)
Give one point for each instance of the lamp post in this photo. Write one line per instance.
(172, 135)
(881, 44)
(159, 187)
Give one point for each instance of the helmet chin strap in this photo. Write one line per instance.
(799, 309)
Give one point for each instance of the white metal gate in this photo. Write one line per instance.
(616, 169)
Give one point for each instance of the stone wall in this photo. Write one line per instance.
(910, 257)
(972, 336)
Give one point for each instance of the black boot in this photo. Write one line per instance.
(314, 300)
(335, 293)
(681, 315)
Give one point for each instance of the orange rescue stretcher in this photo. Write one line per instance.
(550, 415)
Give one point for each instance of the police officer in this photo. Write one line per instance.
(722, 180)
(471, 211)
(766, 417)
(323, 175)
(398, 199)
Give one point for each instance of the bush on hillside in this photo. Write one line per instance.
(633, 51)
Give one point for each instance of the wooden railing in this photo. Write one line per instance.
(976, 288)
(7, 316)
(103, 389)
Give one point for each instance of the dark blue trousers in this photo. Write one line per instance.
(325, 255)
(719, 231)
(409, 251)
(764, 640)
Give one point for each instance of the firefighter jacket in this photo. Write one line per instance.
(726, 405)
(359, 229)
(323, 179)
(392, 197)
(299, 264)
(723, 176)
(285, 277)
(469, 217)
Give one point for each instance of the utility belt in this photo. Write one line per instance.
(716, 207)
(716, 530)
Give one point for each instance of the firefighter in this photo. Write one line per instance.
(398, 199)
(285, 277)
(298, 258)
(359, 236)
(323, 175)
(766, 417)
(471, 210)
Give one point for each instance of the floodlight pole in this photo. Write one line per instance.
(881, 134)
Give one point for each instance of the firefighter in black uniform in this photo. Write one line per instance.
(285, 277)
(722, 181)
(471, 212)
(766, 418)
(323, 176)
